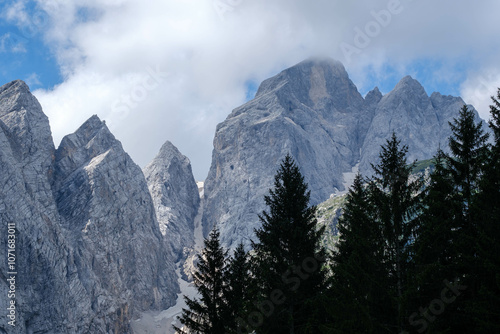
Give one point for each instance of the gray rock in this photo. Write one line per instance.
(314, 112)
(419, 121)
(373, 97)
(175, 197)
(108, 214)
(44, 285)
(89, 252)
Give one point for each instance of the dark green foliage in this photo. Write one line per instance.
(466, 163)
(397, 202)
(288, 258)
(423, 165)
(468, 154)
(358, 277)
(494, 122)
(412, 257)
(240, 290)
(435, 254)
(373, 265)
(208, 315)
(486, 306)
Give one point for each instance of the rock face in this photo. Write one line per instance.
(314, 112)
(420, 121)
(89, 253)
(175, 197)
(42, 257)
(106, 208)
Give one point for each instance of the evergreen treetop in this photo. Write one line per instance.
(208, 315)
(288, 255)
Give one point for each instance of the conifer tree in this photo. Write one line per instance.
(487, 304)
(288, 258)
(468, 155)
(240, 290)
(434, 248)
(396, 198)
(358, 278)
(494, 122)
(466, 163)
(208, 315)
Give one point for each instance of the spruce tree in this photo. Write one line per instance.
(466, 163)
(208, 315)
(288, 260)
(494, 122)
(358, 278)
(434, 249)
(240, 290)
(396, 198)
(468, 154)
(487, 205)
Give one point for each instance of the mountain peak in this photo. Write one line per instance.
(321, 61)
(93, 123)
(14, 86)
(328, 67)
(15, 96)
(315, 82)
(168, 149)
(90, 129)
(409, 84)
(92, 138)
(408, 92)
(175, 196)
(373, 96)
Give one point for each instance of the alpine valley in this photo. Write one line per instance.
(102, 244)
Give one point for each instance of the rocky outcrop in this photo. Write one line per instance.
(175, 197)
(43, 284)
(107, 211)
(89, 252)
(314, 112)
(419, 121)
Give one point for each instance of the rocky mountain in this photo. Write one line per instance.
(420, 121)
(89, 252)
(42, 258)
(97, 239)
(314, 112)
(175, 197)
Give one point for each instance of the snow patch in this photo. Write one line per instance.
(161, 322)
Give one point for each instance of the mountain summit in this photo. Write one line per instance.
(314, 112)
(98, 239)
(89, 252)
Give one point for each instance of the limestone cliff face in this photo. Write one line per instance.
(43, 259)
(314, 112)
(89, 253)
(419, 121)
(175, 197)
(107, 212)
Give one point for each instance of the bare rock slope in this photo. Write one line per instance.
(89, 252)
(314, 112)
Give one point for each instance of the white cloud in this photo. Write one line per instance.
(106, 50)
(33, 80)
(479, 88)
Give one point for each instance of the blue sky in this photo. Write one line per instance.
(173, 69)
(24, 55)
